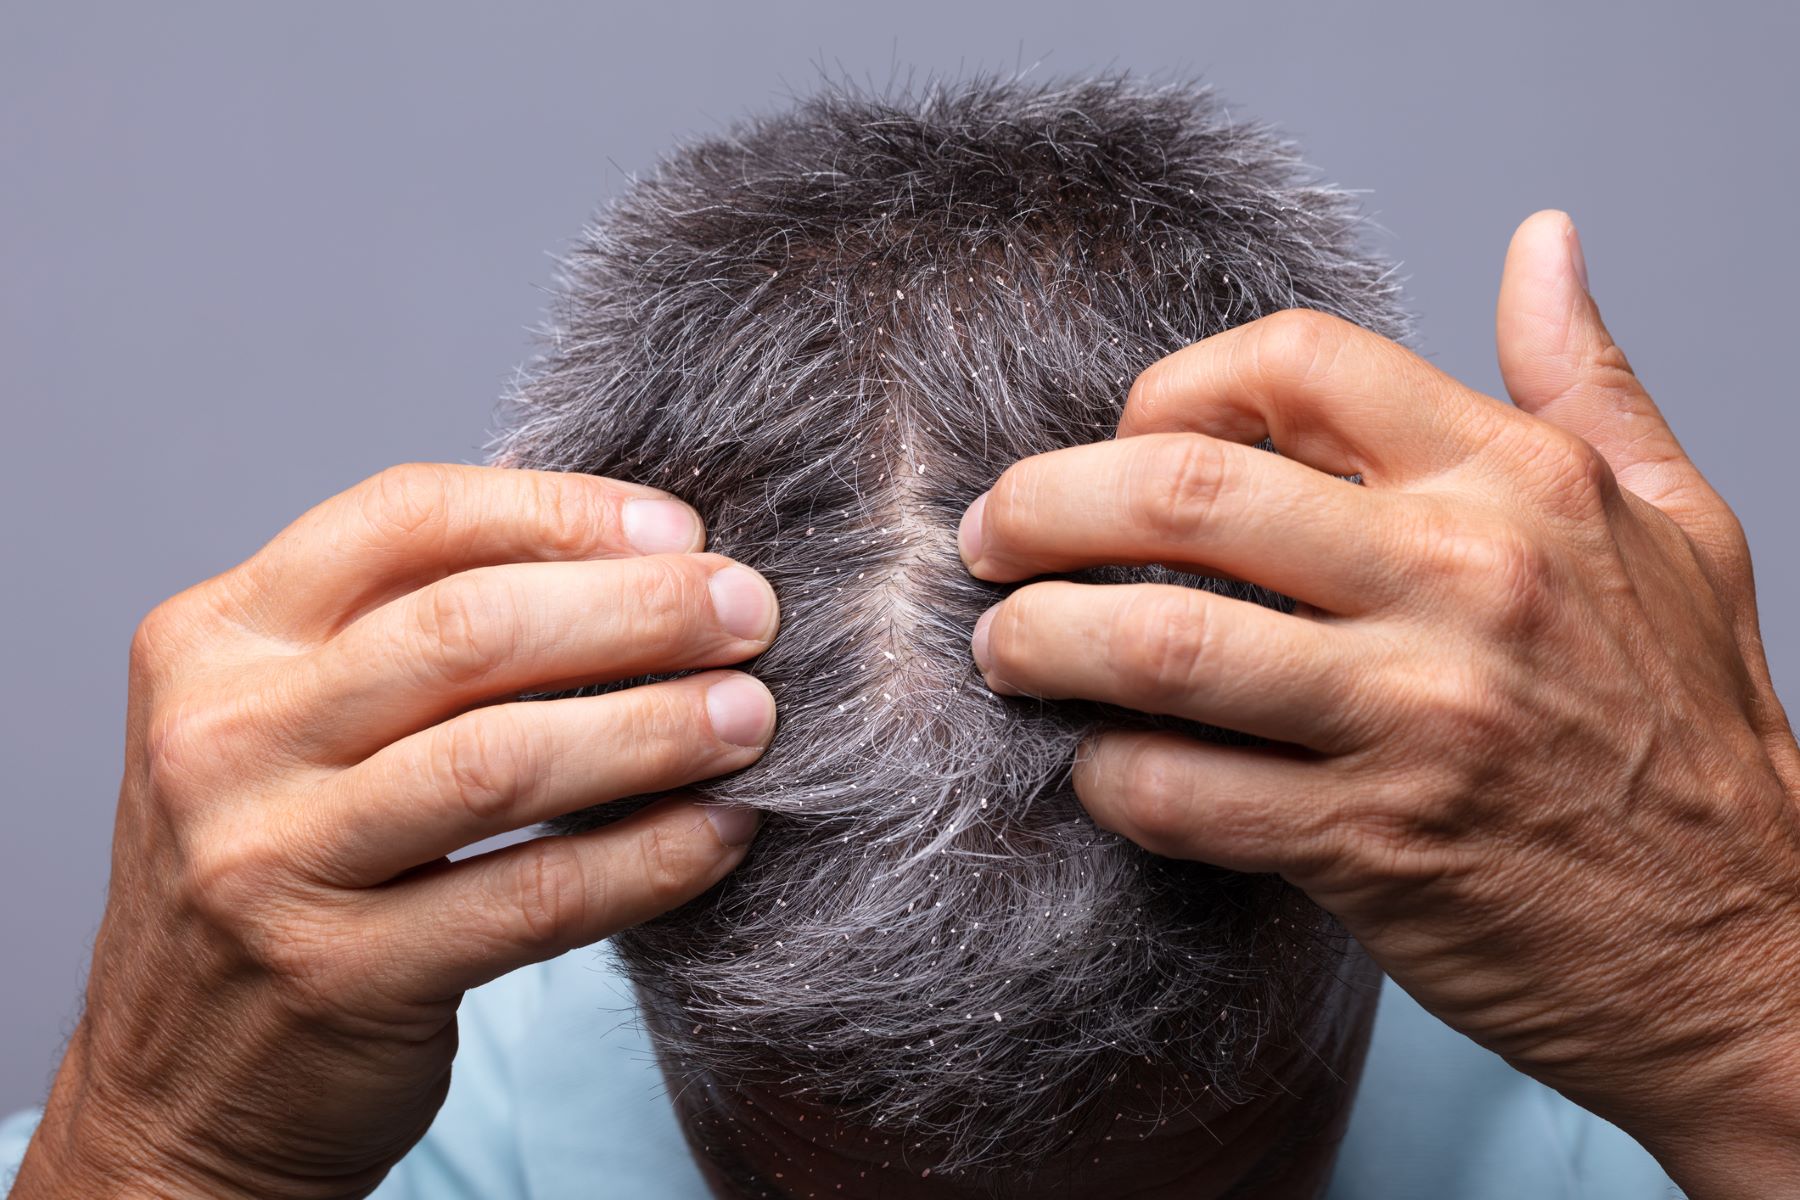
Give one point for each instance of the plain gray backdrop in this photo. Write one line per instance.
(250, 254)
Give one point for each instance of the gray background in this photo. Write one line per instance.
(250, 255)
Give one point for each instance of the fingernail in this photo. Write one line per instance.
(741, 710)
(968, 534)
(978, 644)
(1578, 260)
(661, 526)
(745, 604)
(734, 823)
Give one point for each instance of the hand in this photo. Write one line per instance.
(271, 1010)
(1525, 742)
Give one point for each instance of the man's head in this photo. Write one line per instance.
(829, 331)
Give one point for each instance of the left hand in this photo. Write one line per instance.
(1525, 745)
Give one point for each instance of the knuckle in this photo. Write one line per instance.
(203, 623)
(291, 950)
(1723, 532)
(568, 523)
(1390, 838)
(299, 944)
(1520, 583)
(188, 740)
(1162, 644)
(666, 602)
(1505, 570)
(1010, 504)
(462, 627)
(669, 866)
(1729, 527)
(174, 758)
(666, 733)
(1179, 486)
(229, 877)
(1578, 480)
(407, 501)
(550, 892)
(1608, 369)
(153, 642)
(1463, 717)
(483, 763)
(1514, 583)
(1150, 390)
(1017, 635)
(1297, 344)
(1155, 797)
(173, 636)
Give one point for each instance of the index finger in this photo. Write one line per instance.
(1326, 392)
(412, 525)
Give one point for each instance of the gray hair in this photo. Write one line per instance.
(830, 329)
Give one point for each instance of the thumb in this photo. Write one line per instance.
(1560, 363)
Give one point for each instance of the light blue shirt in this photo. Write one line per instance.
(556, 1096)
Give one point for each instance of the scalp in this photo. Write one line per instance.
(830, 329)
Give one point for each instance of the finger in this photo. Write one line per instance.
(412, 524)
(461, 925)
(512, 765)
(1561, 364)
(1190, 501)
(499, 631)
(1328, 393)
(1177, 651)
(1245, 808)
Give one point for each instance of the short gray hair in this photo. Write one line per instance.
(830, 329)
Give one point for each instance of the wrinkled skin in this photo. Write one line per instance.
(272, 1006)
(1527, 748)
(1523, 738)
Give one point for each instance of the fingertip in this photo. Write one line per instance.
(970, 533)
(1577, 258)
(981, 648)
(978, 643)
(1544, 309)
(1147, 400)
(734, 824)
(745, 604)
(1544, 224)
(741, 710)
(1541, 246)
(661, 525)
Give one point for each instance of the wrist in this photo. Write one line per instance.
(1748, 1166)
(93, 1145)
(1746, 1146)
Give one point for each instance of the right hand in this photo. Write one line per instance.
(271, 1009)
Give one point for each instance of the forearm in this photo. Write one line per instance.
(101, 1139)
(1752, 1153)
(1741, 1172)
(1745, 1144)
(78, 1151)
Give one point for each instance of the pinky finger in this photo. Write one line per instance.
(1245, 808)
(473, 921)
